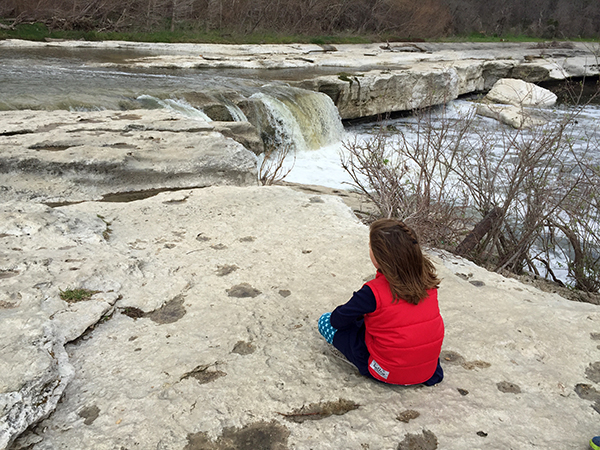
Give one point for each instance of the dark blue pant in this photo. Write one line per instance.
(351, 342)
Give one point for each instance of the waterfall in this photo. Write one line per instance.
(303, 119)
(236, 113)
(285, 116)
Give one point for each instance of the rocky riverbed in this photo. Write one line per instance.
(365, 80)
(194, 326)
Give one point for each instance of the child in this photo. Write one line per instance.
(391, 329)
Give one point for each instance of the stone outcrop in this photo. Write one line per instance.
(364, 94)
(515, 116)
(517, 103)
(210, 338)
(520, 93)
(60, 156)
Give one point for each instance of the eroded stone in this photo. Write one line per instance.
(243, 290)
(425, 441)
(318, 411)
(259, 435)
(89, 413)
(243, 348)
(170, 312)
(203, 375)
(408, 415)
(226, 269)
(508, 388)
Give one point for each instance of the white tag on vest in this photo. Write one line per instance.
(377, 368)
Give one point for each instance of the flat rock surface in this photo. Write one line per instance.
(62, 156)
(212, 339)
(560, 58)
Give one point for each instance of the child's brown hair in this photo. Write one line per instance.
(397, 251)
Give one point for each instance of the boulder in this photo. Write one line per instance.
(515, 116)
(520, 93)
(517, 103)
(61, 156)
(213, 340)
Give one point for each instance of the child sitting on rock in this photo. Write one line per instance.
(391, 329)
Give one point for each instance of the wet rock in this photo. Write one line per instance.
(451, 357)
(318, 411)
(203, 375)
(508, 388)
(408, 415)
(243, 290)
(592, 372)
(587, 392)
(470, 365)
(258, 435)
(243, 348)
(425, 441)
(89, 413)
(170, 312)
(226, 269)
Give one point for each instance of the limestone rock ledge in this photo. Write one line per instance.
(61, 156)
(371, 79)
(212, 342)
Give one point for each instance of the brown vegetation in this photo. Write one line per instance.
(406, 19)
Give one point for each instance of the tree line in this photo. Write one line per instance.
(401, 19)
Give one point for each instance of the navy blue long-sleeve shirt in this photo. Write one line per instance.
(352, 312)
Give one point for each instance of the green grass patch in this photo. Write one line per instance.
(39, 32)
(76, 295)
(191, 34)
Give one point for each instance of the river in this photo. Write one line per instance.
(77, 79)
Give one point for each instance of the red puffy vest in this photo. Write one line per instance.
(404, 340)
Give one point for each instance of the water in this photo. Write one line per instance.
(305, 122)
(74, 79)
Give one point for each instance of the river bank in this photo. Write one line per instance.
(199, 330)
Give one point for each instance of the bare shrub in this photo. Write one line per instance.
(410, 178)
(524, 198)
(523, 174)
(272, 168)
(578, 220)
